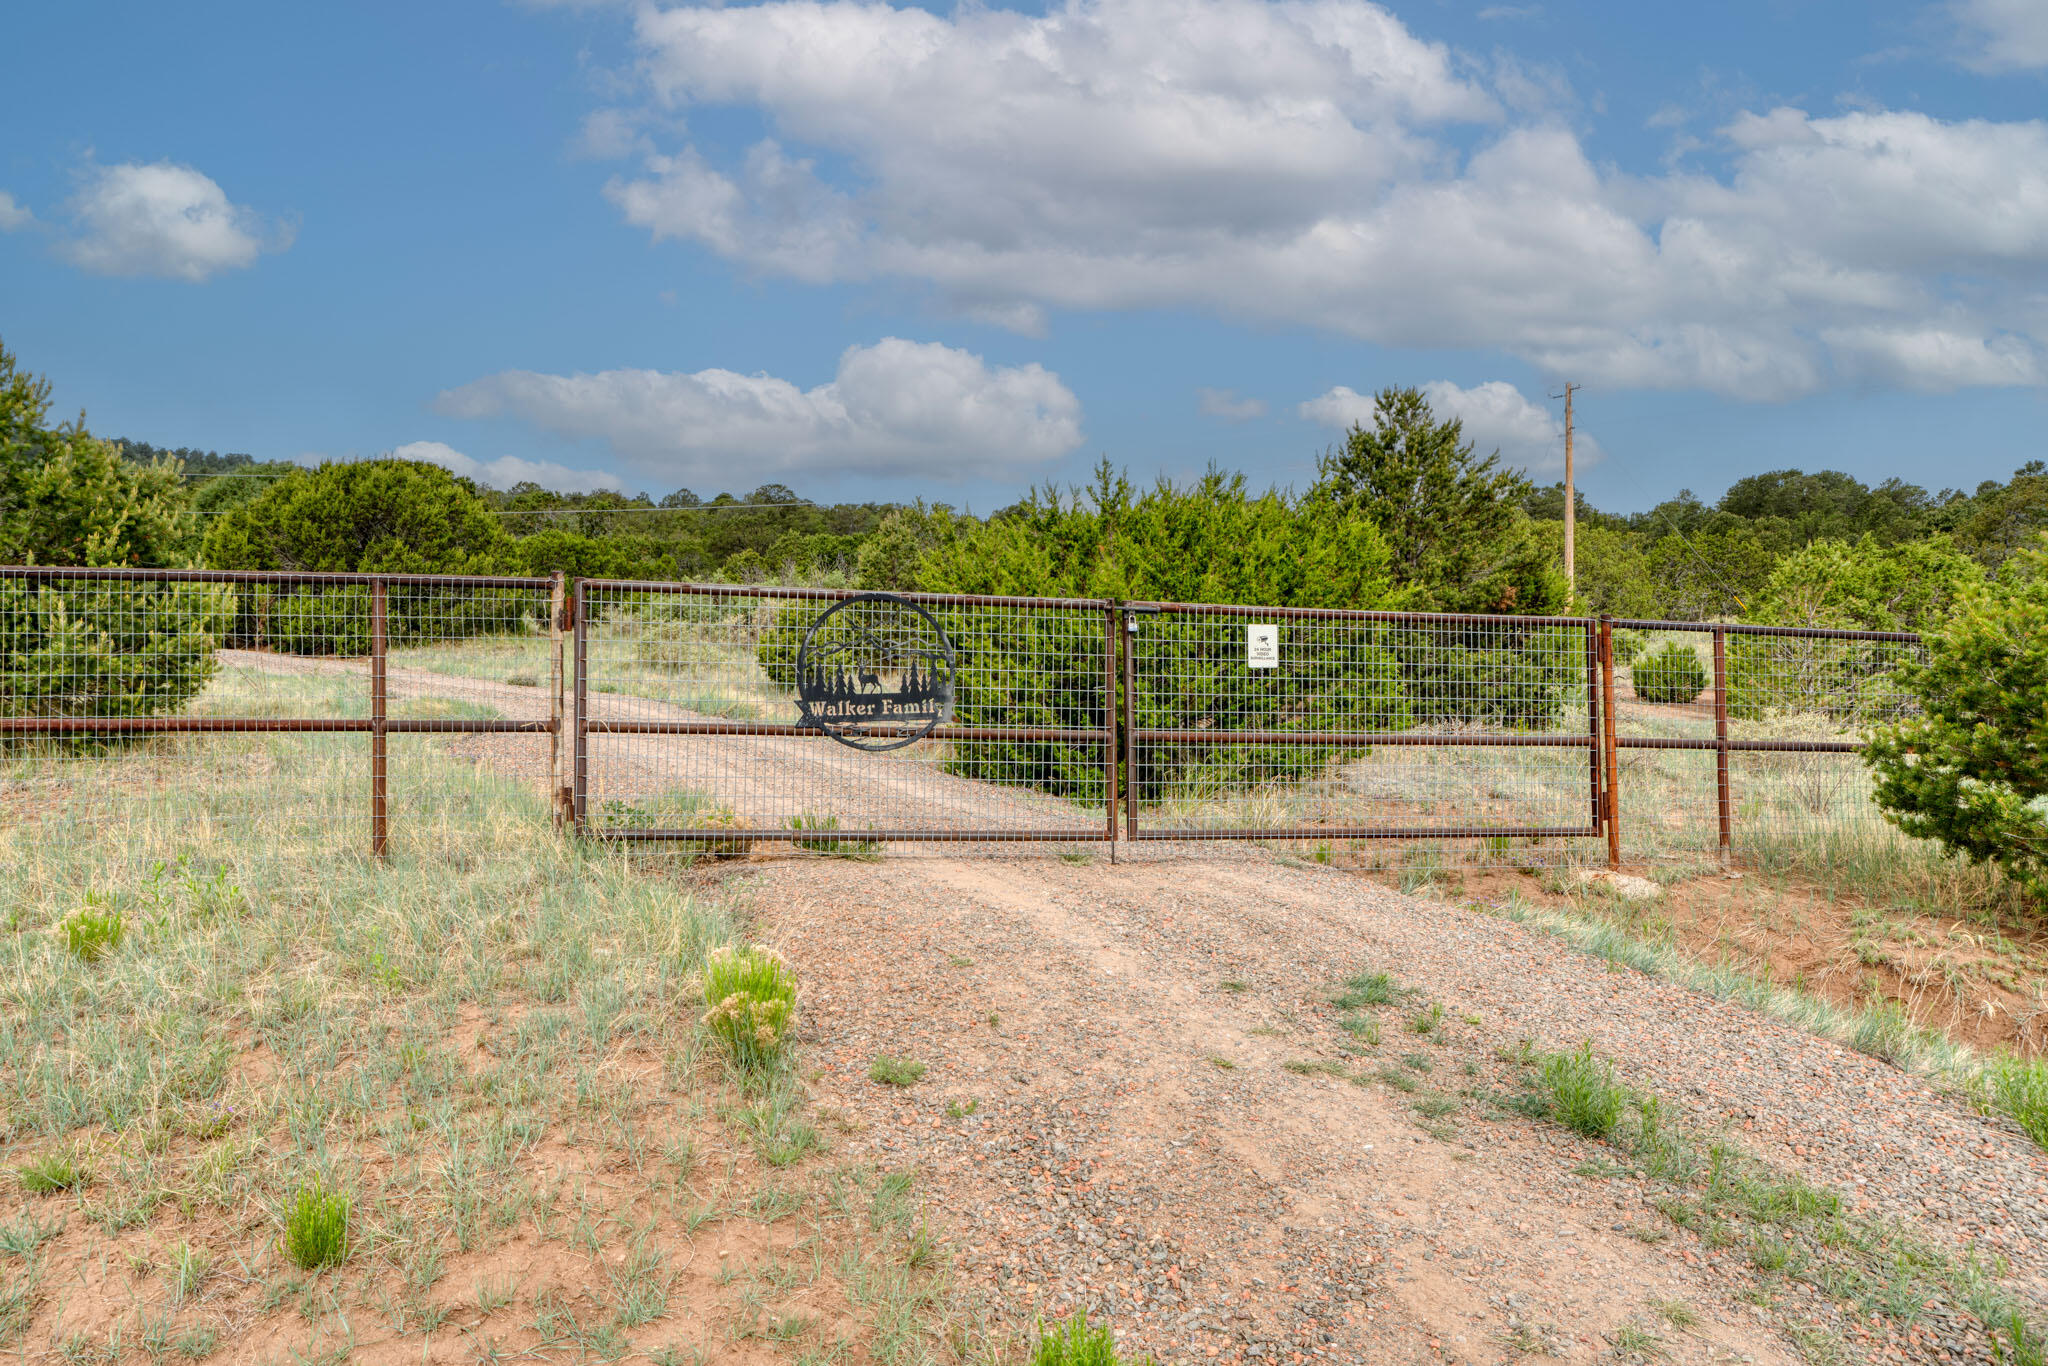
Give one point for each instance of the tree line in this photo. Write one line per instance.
(1404, 512)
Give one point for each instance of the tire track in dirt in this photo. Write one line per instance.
(1264, 1189)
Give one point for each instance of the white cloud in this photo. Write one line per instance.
(2003, 35)
(1341, 408)
(508, 470)
(13, 214)
(897, 407)
(163, 219)
(1932, 359)
(609, 134)
(1495, 414)
(1299, 162)
(1025, 319)
(1225, 403)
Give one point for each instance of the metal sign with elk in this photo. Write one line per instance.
(875, 672)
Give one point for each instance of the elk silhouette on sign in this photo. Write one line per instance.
(875, 672)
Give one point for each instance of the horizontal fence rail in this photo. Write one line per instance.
(713, 718)
(270, 697)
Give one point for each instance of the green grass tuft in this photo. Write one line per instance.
(1369, 989)
(826, 843)
(316, 1230)
(1074, 1342)
(751, 998)
(1579, 1091)
(895, 1071)
(49, 1174)
(93, 931)
(2019, 1087)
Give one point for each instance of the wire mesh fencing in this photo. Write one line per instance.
(254, 705)
(1344, 727)
(716, 718)
(713, 717)
(1742, 743)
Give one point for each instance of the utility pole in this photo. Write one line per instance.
(1571, 501)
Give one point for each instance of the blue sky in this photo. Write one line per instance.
(882, 252)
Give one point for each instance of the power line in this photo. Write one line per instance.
(669, 512)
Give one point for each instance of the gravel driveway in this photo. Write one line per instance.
(1114, 1161)
(1108, 1120)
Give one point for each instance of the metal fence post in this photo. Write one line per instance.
(579, 800)
(558, 608)
(380, 820)
(1595, 752)
(1723, 805)
(1109, 719)
(1607, 730)
(1129, 634)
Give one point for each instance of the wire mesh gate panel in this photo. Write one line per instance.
(715, 716)
(1328, 725)
(1741, 743)
(323, 708)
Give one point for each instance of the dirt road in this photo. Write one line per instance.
(1132, 1104)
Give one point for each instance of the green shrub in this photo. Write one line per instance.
(1074, 1342)
(93, 931)
(316, 1229)
(368, 517)
(1580, 1092)
(1842, 585)
(82, 648)
(1672, 674)
(1971, 771)
(751, 998)
(362, 517)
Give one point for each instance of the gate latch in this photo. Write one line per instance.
(1132, 611)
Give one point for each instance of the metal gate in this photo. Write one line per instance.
(715, 717)
(1325, 724)
(718, 716)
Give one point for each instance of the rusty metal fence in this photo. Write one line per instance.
(718, 716)
(1334, 732)
(259, 704)
(712, 718)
